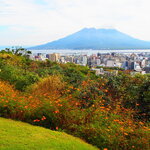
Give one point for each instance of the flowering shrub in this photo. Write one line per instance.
(99, 124)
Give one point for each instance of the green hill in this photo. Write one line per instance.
(15, 135)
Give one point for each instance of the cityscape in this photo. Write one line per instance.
(135, 62)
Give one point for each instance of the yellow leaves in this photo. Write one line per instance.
(107, 109)
(30, 97)
(146, 128)
(125, 133)
(116, 120)
(56, 111)
(84, 83)
(60, 105)
(102, 107)
(5, 55)
(108, 130)
(7, 91)
(122, 129)
(25, 107)
(78, 90)
(57, 101)
(36, 120)
(133, 146)
(71, 87)
(51, 86)
(141, 123)
(76, 103)
(43, 118)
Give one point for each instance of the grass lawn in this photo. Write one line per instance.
(15, 135)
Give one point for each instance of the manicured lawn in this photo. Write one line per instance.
(15, 135)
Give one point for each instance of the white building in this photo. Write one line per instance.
(110, 63)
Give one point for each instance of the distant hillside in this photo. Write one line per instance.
(91, 38)
(15, 135)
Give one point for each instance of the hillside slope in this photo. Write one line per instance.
(15, 135)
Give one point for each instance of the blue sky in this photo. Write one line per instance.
(3, 28)
(33, 22)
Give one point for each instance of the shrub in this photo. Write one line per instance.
(51, 85)
(18, 77)
(100, 125)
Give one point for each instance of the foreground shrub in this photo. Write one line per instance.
(52, 85)
(132, 92)
(12, 104)
(18, 77)
(100, 125)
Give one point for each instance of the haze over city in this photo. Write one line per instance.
(33, 22)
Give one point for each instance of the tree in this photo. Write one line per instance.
(19, 51)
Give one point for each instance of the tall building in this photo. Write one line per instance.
(133, 65)
(98, 61)
(84, 60)
(143, 63)
(110, 63)
(54, 57)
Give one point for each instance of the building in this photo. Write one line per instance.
(54, 57)
(110, 63)
(84, 60)
(147, 69)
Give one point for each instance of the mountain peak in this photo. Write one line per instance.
(99, 31)
(92, 38)
(106, 29)
(88, 29)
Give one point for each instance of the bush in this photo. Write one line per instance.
(18, 77)
(98, 124)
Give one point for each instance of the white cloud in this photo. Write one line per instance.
(32, 22)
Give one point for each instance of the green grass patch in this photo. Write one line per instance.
(15, 135)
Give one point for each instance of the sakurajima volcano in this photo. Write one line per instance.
(92, 38)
